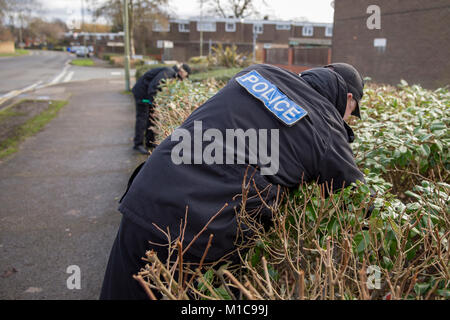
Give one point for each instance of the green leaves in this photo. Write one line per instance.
(421, 288)
(402, 146)
(208, 277)
(413, 124)
(362, 241)
(435, 126)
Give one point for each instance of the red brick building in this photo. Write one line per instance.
(413, 42)
(185, 35)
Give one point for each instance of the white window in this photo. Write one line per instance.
(258, 28)
(111, 36)
(206, 26)
(230, 26)
(328, 31)
(159, 27)
(379, 42)
(283, 26)
(183, 27)
(308, 31)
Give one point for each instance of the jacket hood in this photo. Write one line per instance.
(328, 84)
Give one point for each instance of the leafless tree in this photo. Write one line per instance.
(233, 8)
(18, 13)
(49, 32)
(142, 14)
(2, 10)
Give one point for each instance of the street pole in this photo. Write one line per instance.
(127, 45)
(201, 43)
(201, 29)
(82, 28)
(255, 35)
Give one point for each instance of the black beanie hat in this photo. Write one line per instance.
(186, 68)
(354, 80)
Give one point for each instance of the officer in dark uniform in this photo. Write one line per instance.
(144, 92)
(309, 112)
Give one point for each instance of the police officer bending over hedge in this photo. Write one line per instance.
(307, 113)
(144, 92)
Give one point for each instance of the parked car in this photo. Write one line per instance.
(73, 49)
(83, 52)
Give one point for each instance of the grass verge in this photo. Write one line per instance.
(82, 62)
(19, 52)
(29, 128)
(224, 74)
(200, 72)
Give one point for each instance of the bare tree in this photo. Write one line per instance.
(2, 10)
(233, 8)
(5, 34)
(48, 32)
(19, 13)
(142, 13)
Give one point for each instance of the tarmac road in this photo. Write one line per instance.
(42, 68)
(39, 66)
(59, 193)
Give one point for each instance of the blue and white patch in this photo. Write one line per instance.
(273, 99)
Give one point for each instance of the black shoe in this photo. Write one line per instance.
(141, 149)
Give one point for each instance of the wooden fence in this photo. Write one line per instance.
(297, 59)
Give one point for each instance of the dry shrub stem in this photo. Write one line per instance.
(318, 247)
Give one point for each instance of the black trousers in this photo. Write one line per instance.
(144, 120)
(125, 260)
(129, 247)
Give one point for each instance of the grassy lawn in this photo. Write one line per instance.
(11, 142)
(19, 52)
(220, 74)
(5, 114)
(82, 62)
(223, 74)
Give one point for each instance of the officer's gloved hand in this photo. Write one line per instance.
(370, 209)
(372, 206)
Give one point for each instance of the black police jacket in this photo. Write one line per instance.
(147, 85)
(315, 148)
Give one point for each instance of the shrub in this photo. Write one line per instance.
(177, 100)
(107, 56)
(221, 74)
(198, 60)
(140, 70)
(404, 135)
(322, 248)
(199, 67)
(138, 63)
(228, 57)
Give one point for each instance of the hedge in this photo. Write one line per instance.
(331, 248)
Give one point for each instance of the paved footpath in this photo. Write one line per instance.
(59, 194)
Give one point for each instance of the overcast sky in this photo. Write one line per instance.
(313, 10)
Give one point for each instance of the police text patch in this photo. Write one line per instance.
(273, 99)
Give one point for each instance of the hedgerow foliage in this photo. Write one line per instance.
(335, 247)
(404, 136)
